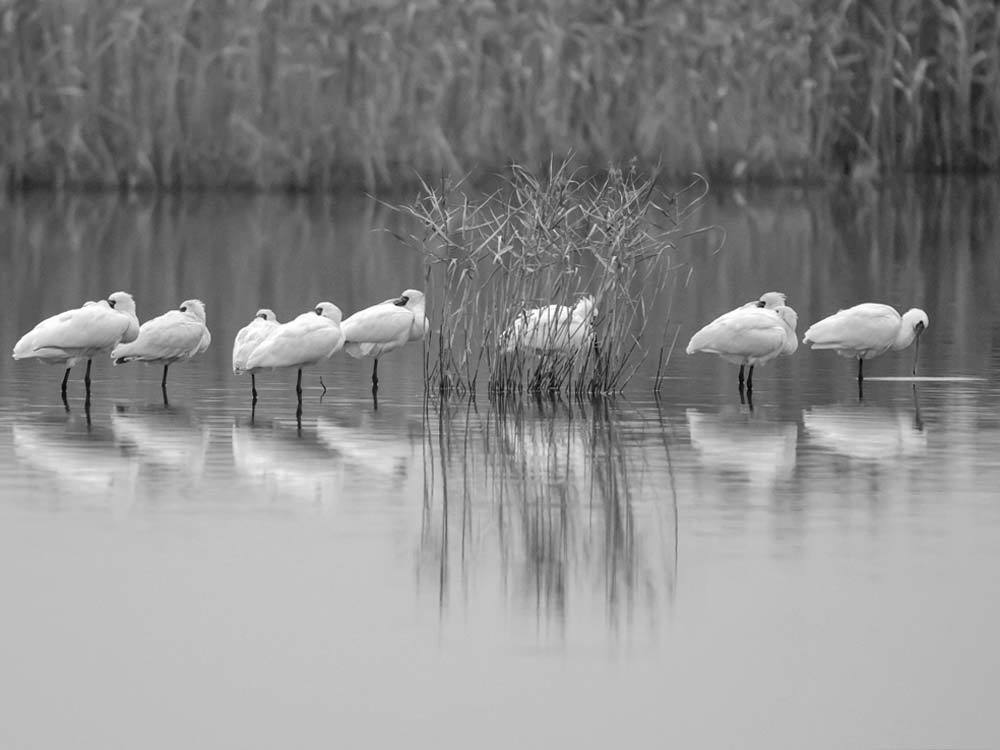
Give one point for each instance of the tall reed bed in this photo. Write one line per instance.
(314, 94)
(540, 239)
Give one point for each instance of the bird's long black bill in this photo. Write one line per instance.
(916, 351)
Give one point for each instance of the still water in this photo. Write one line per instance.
(816, 571)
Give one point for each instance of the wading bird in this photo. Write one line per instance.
(381, 328)
(748, 336)
(305, 341)
(554, 329)
(71, 336)
(247, 340)
(868, 330)
(175, 336)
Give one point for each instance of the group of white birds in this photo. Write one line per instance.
(750, 335)
(759, 331)
(111, 326)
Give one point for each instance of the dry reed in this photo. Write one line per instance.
(316, 94)
(538, 240)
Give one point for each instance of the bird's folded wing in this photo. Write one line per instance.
(92, 326)
(169, 336)
(744, 335)
(850, 329)
(378, 324)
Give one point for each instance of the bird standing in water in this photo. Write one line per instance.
(868, 330)
(384, 327)
(247, 339)
(748, 336)
(71, 336)
(552, 329)
(175, 336)
(304, 341)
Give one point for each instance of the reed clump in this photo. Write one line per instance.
(540, 239)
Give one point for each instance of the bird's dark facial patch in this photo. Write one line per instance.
(262, 316)
(319, 310)
(184, 308)
(919, 327)
(401, 302)
(111, 302)
(761, 303)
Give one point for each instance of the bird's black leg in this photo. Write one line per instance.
(860, 375)
(163, 386)
(253, 388)
(298, 392)
(740, 379)
(375, 374)
(750, 379)
(86, 380)
(65, 380)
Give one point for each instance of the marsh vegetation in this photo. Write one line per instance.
(549, 239)
(304, 94)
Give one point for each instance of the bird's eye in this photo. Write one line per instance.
(184, 308)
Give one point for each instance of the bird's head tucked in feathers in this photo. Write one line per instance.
(122, 302)
(194, 307)
(329, 310)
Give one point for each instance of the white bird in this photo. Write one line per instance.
(305, 341)
(68, 337)
(868, 330)
(768, 300)
(175, 336)
(381, 328)
(247, 339)
(554, 328)
(748, 336)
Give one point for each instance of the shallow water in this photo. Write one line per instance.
(811, 570)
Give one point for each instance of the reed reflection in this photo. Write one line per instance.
(553, 499)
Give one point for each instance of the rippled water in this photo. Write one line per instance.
(811, 570)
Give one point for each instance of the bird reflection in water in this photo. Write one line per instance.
(84, 460)
(753, 447)
(878, 435)
(168, 442)
(291, 462)
(550, 498)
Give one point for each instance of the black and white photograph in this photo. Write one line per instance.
(500, 374)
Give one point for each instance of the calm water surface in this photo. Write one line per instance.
(818, 570)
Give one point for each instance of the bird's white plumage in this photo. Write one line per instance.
(250, 335)
(381, 328)
(307, 340)
(175, 336)
(553, 328)
(866, 330)
(70, 336)
(748, 335)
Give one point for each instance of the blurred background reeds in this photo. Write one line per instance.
(322, 94)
